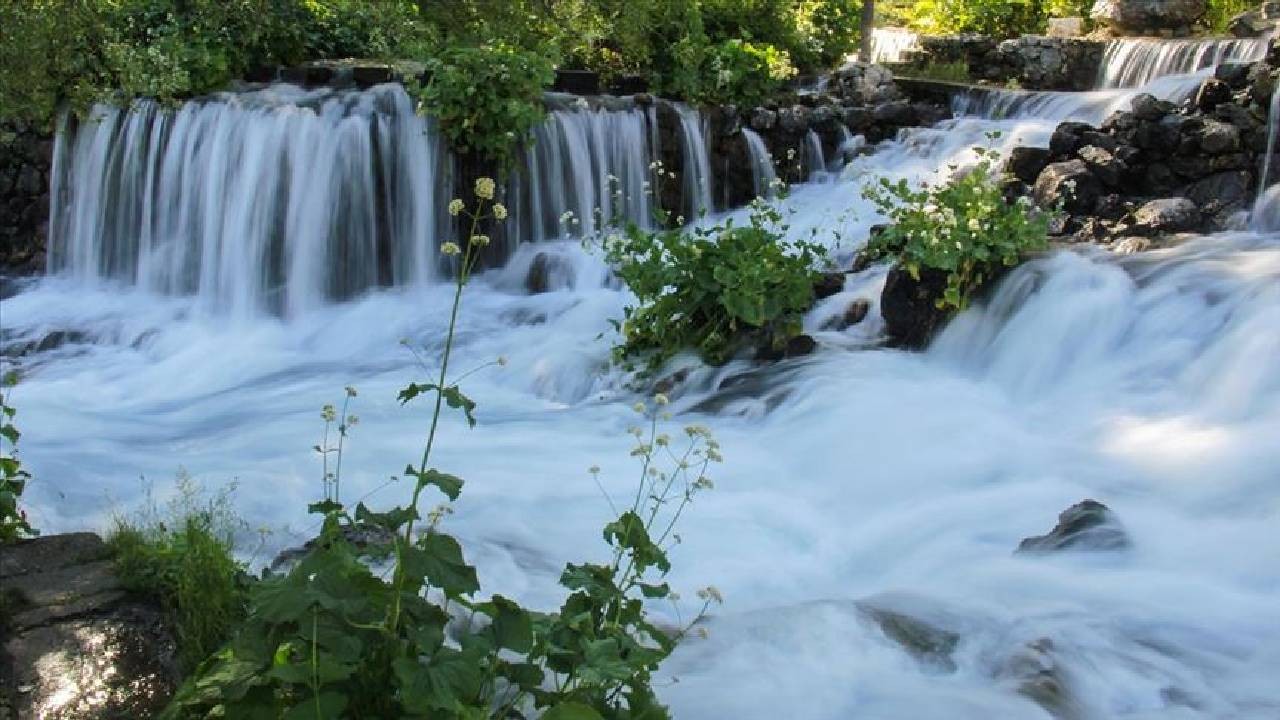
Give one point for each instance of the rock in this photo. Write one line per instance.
(909, 307)
(865, 83)
(1130, 245)
(1212, 93)
(794, 120)
(1066, 138)
(548, 272)
(855, 313)
(1144, 16)
(828, 284)
(763, 119)
(1066, 27)
(1069, 185)
(1027, 162)
(823, 117)
(1218, 138)
(1166, 215)
(577, 82)
(1037, 676)
(1087, 525)
(1103, 164)
(1110, 207)
(367, 75)
(1234, 74)
(1147, 107)
(898, 113)
(797, 346)
(921, 630)
(1224, 192)
(1250, 24)
(78, 646)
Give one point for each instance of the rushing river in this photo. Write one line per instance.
(1148, 382)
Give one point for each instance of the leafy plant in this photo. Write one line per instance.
(487, 99)
(14, 525)
(997, 18)
(945, 71)
(394, 628)
(712, 289)
(745, 74)
(965, 228)
(186, 560)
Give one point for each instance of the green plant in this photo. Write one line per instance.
(14, 525)
(744, 74)
(1220, 12)
(997, 18)
(965, 228)
(712, 289)
(186, 560)
(393, 628)
(957, 71)
(487, 99)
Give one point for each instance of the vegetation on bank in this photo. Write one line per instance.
(1011, 18)
(965, 228)
(14, 524)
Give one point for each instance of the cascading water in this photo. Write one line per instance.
(1130, 62)
(697, 163)
(763, 174)
(814, 158)
(890, 44)
(1147, 382)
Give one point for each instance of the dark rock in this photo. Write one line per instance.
(548, 272)
(909, 307)
(76, 645)
(899, 113)
(261, 74)
(1038, 677)
(828, 284)
(1103, 164)
(1235, 75)
(370, 75)
(797, 346)
(855, 313)
(794, 119)
(763, 119)
(1066, 138)
(1069, 185)
(1099, 139)
(1087, 525)
(1212, 93)
(1166, 215)
(629, 85)
(1224, 192)
(928, 642)
(577, 82)
(1147, 107)
(1110, 207)
(1027, 162)
(1218, 138)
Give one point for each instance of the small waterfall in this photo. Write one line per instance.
(697, 162)
(1132, 62)
(593, 163)
(847, 147)
(814, 158)
(763, 175)
(277, 199)
(1266, 209)
(1092, 107)
(281, 199)
(889, 44)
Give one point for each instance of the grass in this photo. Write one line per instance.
(185, 559)
(956, 72)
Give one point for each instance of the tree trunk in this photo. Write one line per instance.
(868, 24)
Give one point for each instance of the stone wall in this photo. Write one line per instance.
(1164, 18)
(25, 159)
(1031, 62)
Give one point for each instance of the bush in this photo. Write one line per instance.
(487, 99)
(14, 525)
(965, 228)
(1218, 17)
(712, 289)
(336, 638)
(997, 18)
(186, 560)
(745, 75)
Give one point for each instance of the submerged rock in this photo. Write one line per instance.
(77, 645)
(916, 627)
(1087, 525)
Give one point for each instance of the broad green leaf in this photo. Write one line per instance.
(571, 710)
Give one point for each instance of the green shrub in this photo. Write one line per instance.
(957, 71)
(395, 628)
(965, 228)
(186, 560)
(487, 99)
(1218, 17)
(14, 525)
(712, 289)
(997, 18)
(744, 74)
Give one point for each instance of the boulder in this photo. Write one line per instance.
(853, 314)
(794, 119)
(548, 272)
(1147, 107)
(1103, 164)
(1067, 138)
(77, 646)
(1234, 74)
(1218, 138)
(1067, 184)
(1212, 93)
(1026, 162)
(1166, 215)
(763, 119)
(1087, 525)
(1140, 16)
(926, 631)
(909, 307)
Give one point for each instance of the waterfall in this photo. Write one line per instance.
(281, 199)
(889, 44)
(814, 158)
(697, 162)
(763, 175)
(1266, 209)
(1131, 62)
(1092, 107)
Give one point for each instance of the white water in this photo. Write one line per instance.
(1130, 62)
(763, 175)
(888, 44)
(1148, 382)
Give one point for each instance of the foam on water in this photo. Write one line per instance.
(1147, 382)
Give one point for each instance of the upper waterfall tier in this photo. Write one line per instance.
(281, 199)
(1132, 62)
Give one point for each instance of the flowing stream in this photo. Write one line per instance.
(222, 271)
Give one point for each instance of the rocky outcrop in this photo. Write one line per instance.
(26, 156)
(1256, 23)
(1148, 17)
(1087, 525)
(1032, 62)
(77, 646)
